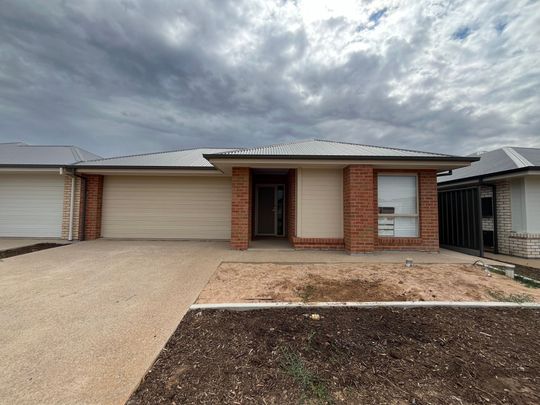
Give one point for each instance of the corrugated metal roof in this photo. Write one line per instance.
(531, 154)
(177, 158)
(321, 147)
(19, 153)
(496, 161)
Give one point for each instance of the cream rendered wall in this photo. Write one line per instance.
(167, 207)
(320, 203)
(532, 203)
(517, 192)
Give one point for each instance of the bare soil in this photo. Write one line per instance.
(349, 355)
(4, 254)
(262, 282)
(526, 271)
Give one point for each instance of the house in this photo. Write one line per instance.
(313, 194)
(493, 205)
(35, 189)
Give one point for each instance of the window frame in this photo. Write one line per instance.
(417, 215)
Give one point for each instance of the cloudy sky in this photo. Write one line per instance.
(125, 76)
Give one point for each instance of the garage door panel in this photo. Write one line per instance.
(31, 205)
(167, 207)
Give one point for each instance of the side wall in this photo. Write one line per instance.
(67, 207)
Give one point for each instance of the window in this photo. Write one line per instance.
(487, 207)
(398, 206)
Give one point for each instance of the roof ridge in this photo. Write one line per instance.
(274, 144)
(382, 147)
(148, 153)
(78, 157)
(517, 158)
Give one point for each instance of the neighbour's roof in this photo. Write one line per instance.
(320, 148)
(497, 161)
(186, 158)
(21, 154)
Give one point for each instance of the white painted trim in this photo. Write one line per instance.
(375, 304)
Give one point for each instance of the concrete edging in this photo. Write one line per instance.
(382, 304)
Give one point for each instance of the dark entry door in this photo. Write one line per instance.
(266, 210)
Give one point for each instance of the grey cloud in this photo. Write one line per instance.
(136, 76)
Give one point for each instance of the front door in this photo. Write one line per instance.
(269, 210)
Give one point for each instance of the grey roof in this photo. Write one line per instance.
(320, 148)
(497, 161)
(187, 158)
(21, 154)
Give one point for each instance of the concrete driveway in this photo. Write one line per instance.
(82, 323)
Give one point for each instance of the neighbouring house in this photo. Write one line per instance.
(36, 198)
(316, 194)
(494, 204)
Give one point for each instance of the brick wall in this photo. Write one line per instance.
(487, 223)
(358, 209)
(66, 208)
(94, 201)
(428, 215)
(504, 215)
(291, 205)
(318, 243)
(524, 244)
(241, 208)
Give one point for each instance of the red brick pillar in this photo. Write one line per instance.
(358, 209)
(429, 211)
(241, 208)
(94, 200)
(291, 205)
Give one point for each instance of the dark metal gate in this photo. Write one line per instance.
(460, 220)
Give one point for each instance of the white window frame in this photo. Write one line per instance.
(417, 215)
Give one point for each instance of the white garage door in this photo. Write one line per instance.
(166, 207)
(31, 205)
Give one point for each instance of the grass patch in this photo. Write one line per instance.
(518, 298)
(306, 293)
(312, 386)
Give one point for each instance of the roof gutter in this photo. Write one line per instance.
(342, 157)
(480, 177)
(113, 167)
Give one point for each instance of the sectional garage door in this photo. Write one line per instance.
(31, 205)
(166, 207)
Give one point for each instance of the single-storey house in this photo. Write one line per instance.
(313, 194)
(493, 205)
(35, 189)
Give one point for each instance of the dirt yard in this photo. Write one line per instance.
(267, 282)
(350, 355)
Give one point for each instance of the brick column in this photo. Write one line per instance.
(94, 200)
(358, 209)
(241, 208)
(291, 205)
(429, 211)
